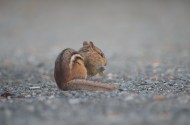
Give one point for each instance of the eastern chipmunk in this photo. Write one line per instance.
(72, 68)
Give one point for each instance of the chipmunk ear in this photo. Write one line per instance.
(85, 43)
(91, 44)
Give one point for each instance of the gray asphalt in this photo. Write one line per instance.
(147, 44)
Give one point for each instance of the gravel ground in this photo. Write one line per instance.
(147, 44)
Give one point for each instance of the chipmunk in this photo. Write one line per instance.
(72, 68)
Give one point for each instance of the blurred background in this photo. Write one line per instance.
(131, 33)
(147, 43)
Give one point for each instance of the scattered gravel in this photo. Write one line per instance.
(148, 59)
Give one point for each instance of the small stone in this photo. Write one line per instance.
(74, 101)
(158, 98)
(129, 98)
(156, 64)
(110, 76)
(9, 97)
(150, 88)
(35, 87)
(122, 89)
(46, 77)
(51, 97)
(27, 96)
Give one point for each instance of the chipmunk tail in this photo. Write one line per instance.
(80, 84)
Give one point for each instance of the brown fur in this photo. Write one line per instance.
(71, 70)
(94, 58)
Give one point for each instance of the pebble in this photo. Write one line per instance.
(35, 87)
(158, 98)
(128, 98)
(110, 76)
(74, 101)
(28, 96)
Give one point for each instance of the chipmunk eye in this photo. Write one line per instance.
(101, 53)
(85, 50)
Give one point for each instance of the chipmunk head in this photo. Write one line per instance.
(94, 58)
(90, 47)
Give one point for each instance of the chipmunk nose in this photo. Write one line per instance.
(102, 68)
